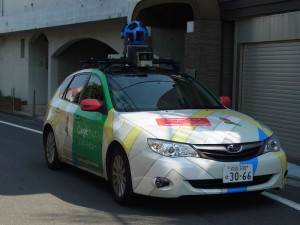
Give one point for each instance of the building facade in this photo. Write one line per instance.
(246, 49)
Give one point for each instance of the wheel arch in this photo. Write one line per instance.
(110, 150)
(47, 128)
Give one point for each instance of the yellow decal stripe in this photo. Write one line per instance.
(58, 114)
(251, 121)
(131, 138)
(108, 126)
(184, 132)
(281, 155)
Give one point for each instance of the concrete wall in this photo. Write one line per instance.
(66, 22)
(35, 14)
(61, 38)
(13, 68)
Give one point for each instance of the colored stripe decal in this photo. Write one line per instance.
(236, 190)
(108, 126)
(262, 135)
(184, 132)
(254, 163)
(131, 138)
(281, 155)
(267, 131)
(61, 107)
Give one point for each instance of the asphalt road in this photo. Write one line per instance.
(32, 194)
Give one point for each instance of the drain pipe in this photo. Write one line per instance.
(13, 98)
(33, 104)
(2, 7)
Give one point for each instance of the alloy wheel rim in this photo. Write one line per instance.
(50, 148)
(118, 176)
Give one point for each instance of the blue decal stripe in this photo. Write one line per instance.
(261, 135)
(254, 163)
(236, 190)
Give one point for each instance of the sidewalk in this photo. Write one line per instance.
(293, 171)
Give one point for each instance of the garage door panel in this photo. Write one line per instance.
(290, 76)
(270, 89)
(288, 106)
(271, 62)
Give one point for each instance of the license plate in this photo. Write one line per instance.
(240, 173)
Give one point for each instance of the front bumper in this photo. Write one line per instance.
(198, 176)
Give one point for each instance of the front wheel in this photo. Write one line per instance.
(120, 178)
(51, 151)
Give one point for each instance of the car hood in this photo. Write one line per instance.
(200, 126)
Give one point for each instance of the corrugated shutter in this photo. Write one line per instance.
(270, 89)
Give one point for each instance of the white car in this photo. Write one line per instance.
(158, 133)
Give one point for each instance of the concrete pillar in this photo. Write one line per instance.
(52, 76)
(203, 52)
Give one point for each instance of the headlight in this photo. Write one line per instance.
(272, 144)
(172, 149)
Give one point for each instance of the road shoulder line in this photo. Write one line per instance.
(284, 201)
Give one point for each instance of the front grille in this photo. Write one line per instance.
(218, 183)
(220, 152)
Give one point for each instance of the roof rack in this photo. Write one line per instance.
(122, 62)
(134, 56)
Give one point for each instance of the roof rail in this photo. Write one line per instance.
(111, 62)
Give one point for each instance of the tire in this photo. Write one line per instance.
(120, 178)
(51, 151)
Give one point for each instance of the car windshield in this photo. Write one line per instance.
(159, 91)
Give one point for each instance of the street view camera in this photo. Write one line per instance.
(137, 51)
(135, 35)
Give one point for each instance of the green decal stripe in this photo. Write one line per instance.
(131, 138)
(184, 132)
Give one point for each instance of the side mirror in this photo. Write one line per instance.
(226, 101)
(90, 105)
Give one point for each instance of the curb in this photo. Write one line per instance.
(293, 171)
(23, 115)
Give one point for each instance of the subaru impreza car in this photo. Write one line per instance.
(159, 133)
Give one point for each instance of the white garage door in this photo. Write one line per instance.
(270, 89)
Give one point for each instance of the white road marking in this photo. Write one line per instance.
(287, 202)
(21, 127)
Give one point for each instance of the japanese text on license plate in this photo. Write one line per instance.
(239, 173)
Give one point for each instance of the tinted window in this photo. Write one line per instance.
(150, 92)
(63, 86)
(75, 88)
(94, 89)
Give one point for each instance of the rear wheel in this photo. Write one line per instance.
(120, 178)
(51, 151)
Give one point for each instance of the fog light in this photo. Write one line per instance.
(160, 182)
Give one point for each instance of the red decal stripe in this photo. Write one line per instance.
(183, 122)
